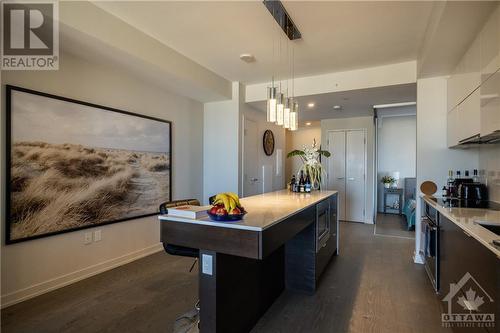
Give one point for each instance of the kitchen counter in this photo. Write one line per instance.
(467, 218)
(264, 210)
(285, 241)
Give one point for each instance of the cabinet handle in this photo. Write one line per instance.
(466, 233)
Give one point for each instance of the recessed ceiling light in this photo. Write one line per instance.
(337, 107)
(247, 57)
(310, 105)
(308, 124)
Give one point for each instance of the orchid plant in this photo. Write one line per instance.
(310, 162)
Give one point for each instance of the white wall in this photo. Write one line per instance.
(304, 136)
(36, 266)
(221, 145)
(434, 159)
(259, 117)
(397, 150)
(367, 124)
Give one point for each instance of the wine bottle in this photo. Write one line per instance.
(307, 185)
(475, 177)
(301, 182)
(293, 183)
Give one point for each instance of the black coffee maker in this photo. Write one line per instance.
(472, 191)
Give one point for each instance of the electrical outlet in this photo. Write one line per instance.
(87, 238)
(97, 235)
(206, 261)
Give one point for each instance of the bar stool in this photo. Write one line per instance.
(188, 322)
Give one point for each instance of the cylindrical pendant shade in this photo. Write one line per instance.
(286, 113)
(271, 104)
(279, 109)
(294, 116)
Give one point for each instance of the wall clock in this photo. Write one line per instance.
(268, 142)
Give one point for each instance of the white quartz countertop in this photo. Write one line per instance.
(467, 218)
(263, 210)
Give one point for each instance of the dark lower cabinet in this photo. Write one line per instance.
(334, 227)
(308, 254)
(469, 277)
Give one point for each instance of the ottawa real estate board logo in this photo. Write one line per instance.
(469, 305)
(30, 35)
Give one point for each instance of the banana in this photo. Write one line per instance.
(232, 204)
(225, 200)
(230, 201)
(235, 197)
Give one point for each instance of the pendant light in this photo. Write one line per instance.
(272, 93)
(294, 116)
(271, 104)
(280, 109)
(280, 101)
(294, 111)
(286, 113)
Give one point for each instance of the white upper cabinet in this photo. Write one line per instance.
(490, 46)
(469, 122)
(471, 68)
(490, 105)
(467, 75)
(474, 88)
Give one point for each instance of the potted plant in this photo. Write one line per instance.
(311, 164)
(388, 181)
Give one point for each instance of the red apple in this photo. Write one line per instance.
(213, 210)
(236, 211)
(221, 211)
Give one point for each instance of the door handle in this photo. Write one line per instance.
(340, 177)
(351, 178)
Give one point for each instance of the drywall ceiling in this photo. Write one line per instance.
(354, 103)
(452, 28)
(91, 33)
(337, 36)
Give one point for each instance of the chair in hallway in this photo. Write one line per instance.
(189, 321)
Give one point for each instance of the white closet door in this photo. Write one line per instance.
(336, 168)
(355, 176)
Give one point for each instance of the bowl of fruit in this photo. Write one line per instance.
(226, 207)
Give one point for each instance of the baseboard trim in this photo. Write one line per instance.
(67, 279)
(418, 258)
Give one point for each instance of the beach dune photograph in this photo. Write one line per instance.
(73, 165)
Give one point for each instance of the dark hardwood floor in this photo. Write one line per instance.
(392, 225)
(373, 286)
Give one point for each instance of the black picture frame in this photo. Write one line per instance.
(8, 160)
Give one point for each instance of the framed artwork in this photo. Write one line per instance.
(73, 165)
(268, 142)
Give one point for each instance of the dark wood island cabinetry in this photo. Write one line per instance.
(285, 241)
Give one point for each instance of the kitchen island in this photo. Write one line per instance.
(284, 241)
